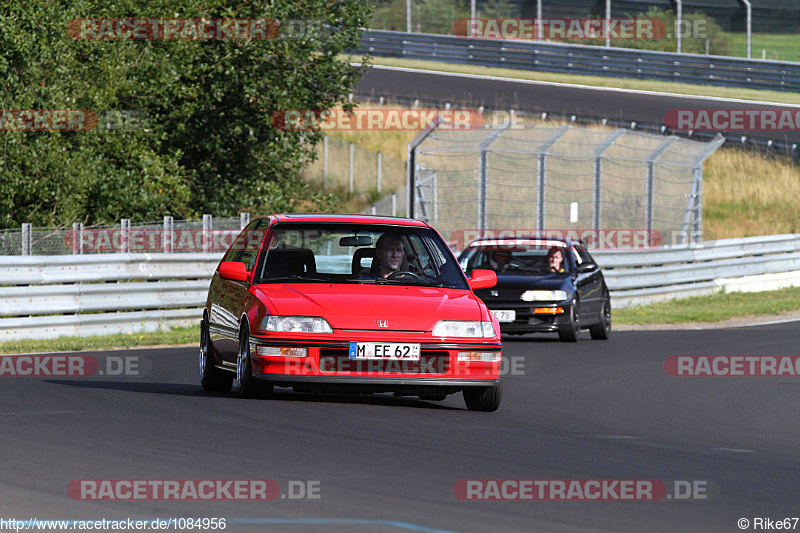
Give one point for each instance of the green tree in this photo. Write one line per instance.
(205, 141)
(697, 28)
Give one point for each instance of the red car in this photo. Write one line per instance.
(349, 303)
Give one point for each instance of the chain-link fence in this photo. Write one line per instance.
(718, 27)
(208, 234)
(540, 179)
(349, 167)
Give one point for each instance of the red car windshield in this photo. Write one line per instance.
(357, 253)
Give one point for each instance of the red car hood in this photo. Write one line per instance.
(354, 306)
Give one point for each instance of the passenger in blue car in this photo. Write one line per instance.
(497, 261)
(555, 260)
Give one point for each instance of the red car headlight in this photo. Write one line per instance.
(463, 328)
(302, 324)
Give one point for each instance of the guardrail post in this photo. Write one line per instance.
(125, 235)
(27, 238)
(77, 238)
(244, 220)
(168, 237)
(380, 165)
(208, 224)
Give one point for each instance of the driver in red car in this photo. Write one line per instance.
(390, 258)
(390, 253)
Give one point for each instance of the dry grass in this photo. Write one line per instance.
(746, 195)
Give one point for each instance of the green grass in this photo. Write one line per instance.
(174, 336)
(778, 46)
(714, 308)
(594, 81)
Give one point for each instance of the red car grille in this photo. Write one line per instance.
(337, 360)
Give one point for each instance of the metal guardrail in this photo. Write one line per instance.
(586, 60)
(52, 296)
(749, 264)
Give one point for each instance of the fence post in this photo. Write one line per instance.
(352, 148)
(394, 204)
(77, 238)
(698, 204)
(483, 171)
(435, 196)
(27, 238)
(125, 235)
(380, 164)
(540, 173)
(169, 235)
(244, 220)
(649, 190)
(598, 174)
(324, 162)
(411, 163)
(208, 224)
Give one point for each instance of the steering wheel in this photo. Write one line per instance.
(401, 273)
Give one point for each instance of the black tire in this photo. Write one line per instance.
(602, 330)
(486, 399)
(249, 386)
(211, 378)
(571, 332)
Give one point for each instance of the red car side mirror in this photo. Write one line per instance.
(482, 279)
(233, 270)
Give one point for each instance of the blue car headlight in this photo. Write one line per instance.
(543, 296)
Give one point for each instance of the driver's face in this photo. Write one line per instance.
(555, 260)
(391, 256)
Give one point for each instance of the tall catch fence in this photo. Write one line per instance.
(546, 178)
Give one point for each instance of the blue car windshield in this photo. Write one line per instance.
(357, 253)
(531, 260)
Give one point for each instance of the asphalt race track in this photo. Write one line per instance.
(591, 410)
(552, 98)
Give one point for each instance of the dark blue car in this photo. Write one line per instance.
(544, 285)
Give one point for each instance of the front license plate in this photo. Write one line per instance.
(505, 316)
(372, 350)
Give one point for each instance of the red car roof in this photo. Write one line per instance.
(347, 218)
